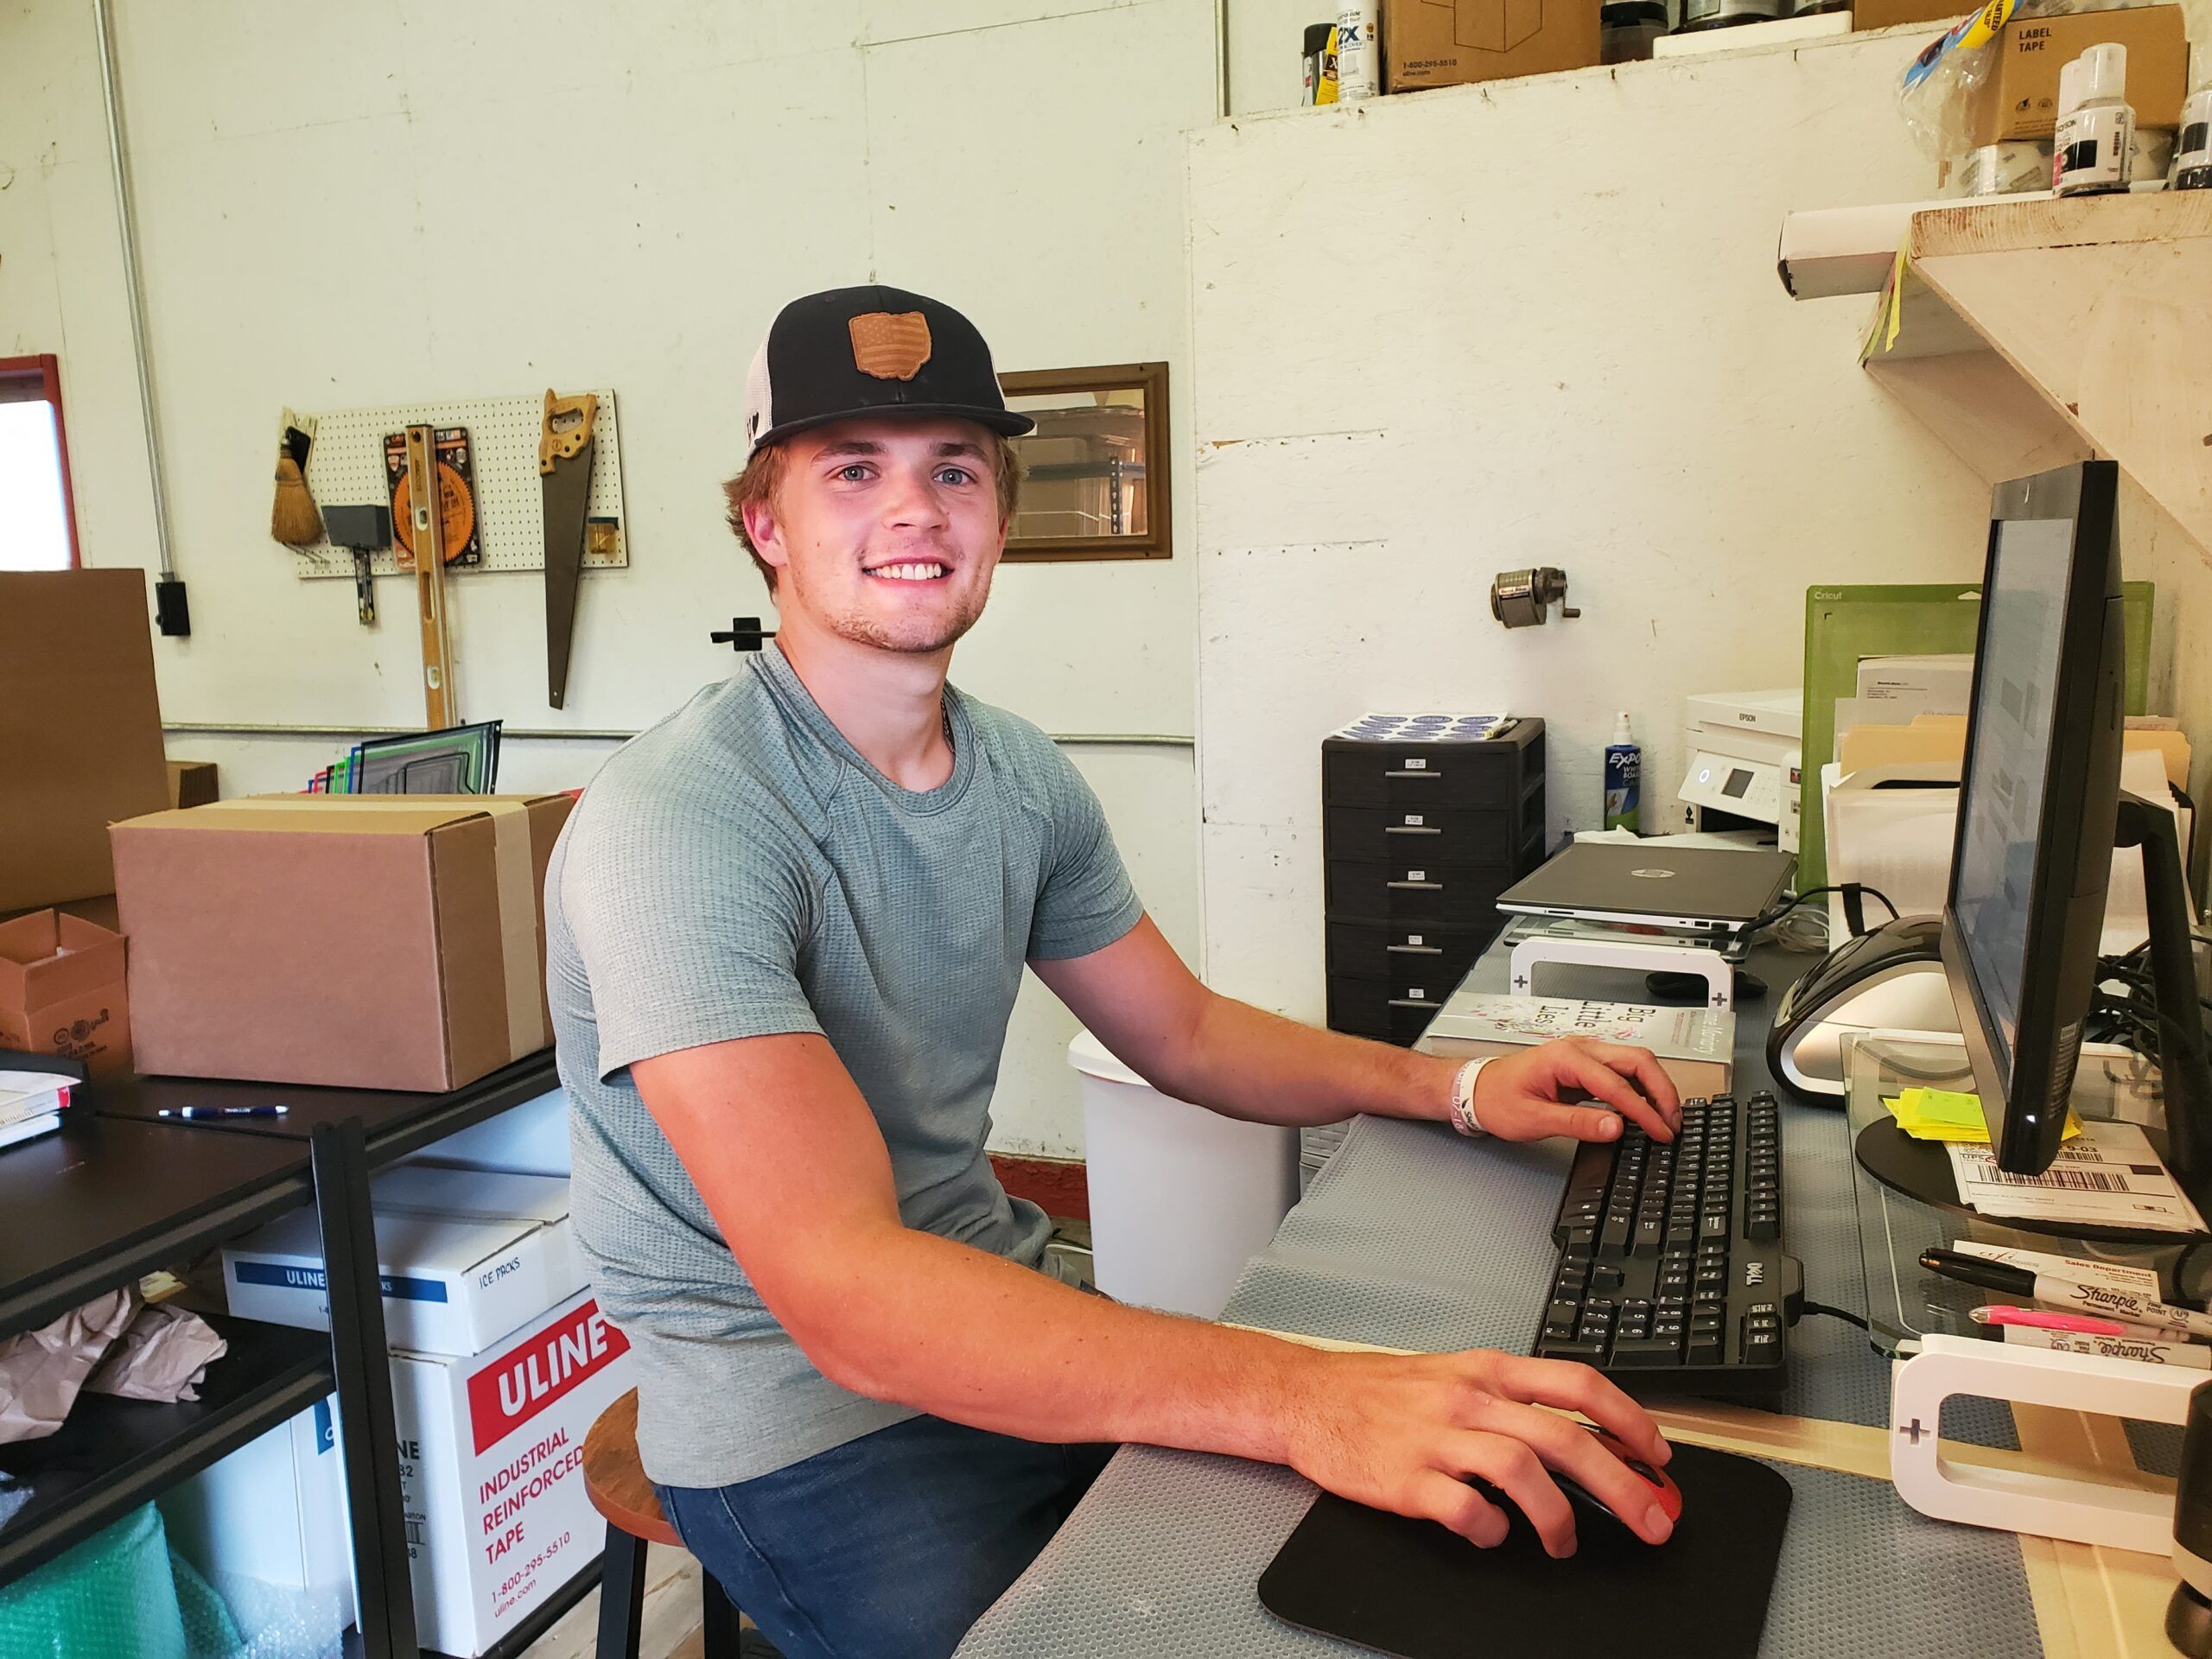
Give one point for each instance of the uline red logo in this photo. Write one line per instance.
(533, 1375)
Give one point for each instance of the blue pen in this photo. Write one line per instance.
(192, 1113)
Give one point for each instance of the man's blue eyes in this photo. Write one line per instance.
(856, 473)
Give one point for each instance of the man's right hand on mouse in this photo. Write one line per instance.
(1404, 1432)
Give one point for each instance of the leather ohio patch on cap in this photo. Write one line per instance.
(890, 346)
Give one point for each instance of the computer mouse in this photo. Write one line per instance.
(1588, 1507)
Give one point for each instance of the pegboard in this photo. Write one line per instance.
(346, 467)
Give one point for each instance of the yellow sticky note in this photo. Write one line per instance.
(1949, 1115)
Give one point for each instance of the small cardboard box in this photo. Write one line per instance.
(63, 991)
(491, 1470)
(370, 942)
(192, 782)
(1426, 43)
(80, 729)
(2020, 97)
(453, 1283)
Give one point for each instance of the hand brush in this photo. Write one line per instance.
(293, 520)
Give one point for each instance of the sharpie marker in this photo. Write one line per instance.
(2068, 1293)
(2083, 1325)
(195, 1114)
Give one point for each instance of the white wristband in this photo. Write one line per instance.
(1463, 1097)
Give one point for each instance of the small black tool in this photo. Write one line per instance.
(744, 633)
(362, 531)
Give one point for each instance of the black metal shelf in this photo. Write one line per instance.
(112, 1455)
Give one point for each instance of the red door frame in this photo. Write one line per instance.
(40, 377)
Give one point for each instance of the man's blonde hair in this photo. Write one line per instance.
(764, 475)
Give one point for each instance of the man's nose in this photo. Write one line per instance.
(913, 501)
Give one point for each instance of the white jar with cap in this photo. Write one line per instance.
(2193, 149)
(2096, 127)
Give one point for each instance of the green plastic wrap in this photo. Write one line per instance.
(120, 1594)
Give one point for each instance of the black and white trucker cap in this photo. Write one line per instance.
(871, 351)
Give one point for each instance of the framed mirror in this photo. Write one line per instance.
(1094, 473)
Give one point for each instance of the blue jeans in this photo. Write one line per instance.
(889, 1547)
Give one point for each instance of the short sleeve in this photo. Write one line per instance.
(1087, 902)
(690, 923)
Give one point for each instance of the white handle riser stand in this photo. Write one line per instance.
(1632, 954)
(2051, 1506)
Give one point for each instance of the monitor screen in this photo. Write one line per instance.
(2001, 806)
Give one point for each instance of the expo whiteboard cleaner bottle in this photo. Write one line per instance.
(1624, 780)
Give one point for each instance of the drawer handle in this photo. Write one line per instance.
(1409, 1002)
(1416, 887)
(1411, 829)
(1414, 950)
(1412, 774)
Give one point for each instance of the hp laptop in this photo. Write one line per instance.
(1652, 884)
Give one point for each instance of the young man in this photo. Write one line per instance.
(786, 926)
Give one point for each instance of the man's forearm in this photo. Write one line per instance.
(1244, 1063)
(960, 1333)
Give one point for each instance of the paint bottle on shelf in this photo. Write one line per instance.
(1318, 65)
(2193, 149)
(1627, 27)
(1624, 780)
(1699, 15)
(1359, 53)
(2096, 127)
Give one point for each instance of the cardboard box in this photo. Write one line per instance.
(375, 941)
(1696, 1047)
(274, 1512)
(2020, 97)
(1445, 42)
(63, 991)
(453, 1283)
(1887, 14)
(491, 1470)
(80, 729)
(192, 782)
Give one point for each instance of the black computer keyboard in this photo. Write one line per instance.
(1671, 1275)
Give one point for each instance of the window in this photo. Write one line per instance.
(1094, 473)
(38, 520)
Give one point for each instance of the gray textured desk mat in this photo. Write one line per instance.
(1412, 1236)
(1162, 1559)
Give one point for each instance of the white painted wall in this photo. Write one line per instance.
(1442, 335)
(393, 201)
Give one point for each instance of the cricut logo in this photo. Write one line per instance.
(533, 1375)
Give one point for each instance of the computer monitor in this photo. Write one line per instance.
(2038, 801)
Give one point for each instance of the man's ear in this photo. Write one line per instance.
(766, 534)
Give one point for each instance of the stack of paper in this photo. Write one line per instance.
(31, 1102)
(1945, 1114)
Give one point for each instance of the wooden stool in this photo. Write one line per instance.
(619, 1490)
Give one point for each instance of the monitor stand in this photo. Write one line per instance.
(1922, 1169)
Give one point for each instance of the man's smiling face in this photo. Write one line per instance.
(886, 531)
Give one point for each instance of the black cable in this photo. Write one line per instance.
(1775, 914)
(1837, 1314)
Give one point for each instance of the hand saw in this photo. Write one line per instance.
(565, 444)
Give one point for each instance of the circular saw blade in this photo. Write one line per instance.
(456, 513)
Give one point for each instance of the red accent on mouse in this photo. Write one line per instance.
(1664, 1492)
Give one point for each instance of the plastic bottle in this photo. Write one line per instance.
(1624, 780)
(2096, 127)
(2193, 150)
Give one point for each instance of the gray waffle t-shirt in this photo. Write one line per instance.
(739, 871)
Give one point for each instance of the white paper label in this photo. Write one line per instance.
(1413, 820)
(2108, 1177)
(1416, 875)
(1413, 938)
(1417, 764)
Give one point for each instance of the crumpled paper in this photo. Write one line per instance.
(112, 1344)
(163, 1356)
(41, 1371)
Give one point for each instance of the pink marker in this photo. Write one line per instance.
(2081, 1324)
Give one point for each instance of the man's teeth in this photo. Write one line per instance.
(909, 572)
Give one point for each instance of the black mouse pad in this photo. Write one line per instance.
(1415, 1589)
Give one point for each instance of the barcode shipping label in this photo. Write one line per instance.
(2110, 1177)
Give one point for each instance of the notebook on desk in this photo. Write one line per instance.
(1413, 1589)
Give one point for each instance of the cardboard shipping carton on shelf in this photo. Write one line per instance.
(491, 1470)
(464, 1257)
(1885, 14)
(192, 782)
(2018, 98)
(373, 942)
(1445, 42)
(62, 991)
(80, 729)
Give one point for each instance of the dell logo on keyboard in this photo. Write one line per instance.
(1754, 1275)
